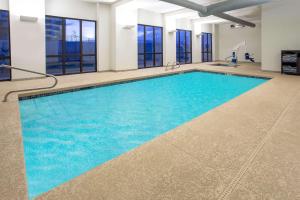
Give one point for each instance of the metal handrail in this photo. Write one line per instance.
(26, 90)
(173, 66)
(226, 59)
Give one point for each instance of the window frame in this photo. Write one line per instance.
(64, 55)
(144, 54)
(9, 42)
(185, 46)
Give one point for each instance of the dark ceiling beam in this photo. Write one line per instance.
(219, 9)
(235, 19)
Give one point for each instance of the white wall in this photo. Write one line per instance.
(184, 24)
(196, 46)
(216, 45)
(169, 40)
(124, 41)
(280, 31)
(228, 38)
(27, 38)
(150, 18)
(72, 9)
(3, 4)
(104, 37)
(207, 28)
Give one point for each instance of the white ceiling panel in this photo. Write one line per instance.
(164, 7)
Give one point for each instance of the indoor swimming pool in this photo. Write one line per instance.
(68, 134)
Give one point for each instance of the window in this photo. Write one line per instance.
(206, 47)
(150, 46)
(5, 74)
(184, 46)
(70, 46)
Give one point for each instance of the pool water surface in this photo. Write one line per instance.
(68, 134)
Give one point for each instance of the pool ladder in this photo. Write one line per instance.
(173, 66)
(27, 90)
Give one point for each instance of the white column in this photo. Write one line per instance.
(215, 41)
(169, 39)
(4, 4)
(27, 38)
(197, 30)
(124, 46)
(104, 36)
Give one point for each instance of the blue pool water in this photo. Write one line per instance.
(68, 134)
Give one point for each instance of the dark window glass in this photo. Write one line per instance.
(88, 37)
(182, 41)
(72, 64)
(149, 60)
(54, 65)
(4, 61)
(204, 41)
(158, 40)
(54, 36)
(188, 57)
(141, 61)
(177, 47)
(72, 42)
(4, 34)
(209, 43)
(205, 57)
(158, 60)
(210, 57)
(150, 46)
(182, 57)
(88, 63)
(4, 45)
(184, 46)
(71, 46)
(149, 40)
(188, 46)
(206, 47)
(141, 39)
(4, 73)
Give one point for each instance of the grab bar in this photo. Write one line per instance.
(173, 66)
(26, 90)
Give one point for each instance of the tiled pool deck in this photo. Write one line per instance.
(248, 148)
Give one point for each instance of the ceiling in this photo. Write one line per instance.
(251, 13)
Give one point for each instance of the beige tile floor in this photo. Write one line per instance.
(248, 148)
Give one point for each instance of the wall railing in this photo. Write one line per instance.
(27, 90)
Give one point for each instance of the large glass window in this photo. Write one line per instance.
(70, 46)
(206, 47)
(184, 46)
(150, 46)
(5, 74)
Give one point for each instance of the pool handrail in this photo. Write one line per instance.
(175, 65)
(27, 90)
